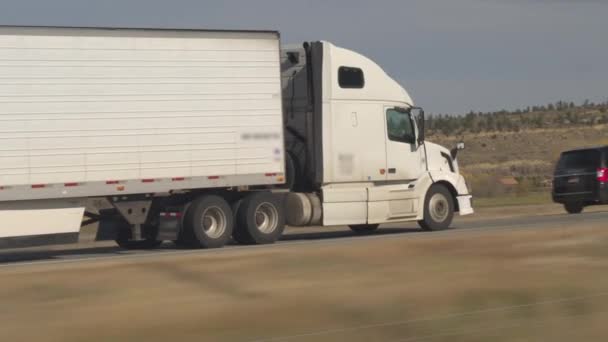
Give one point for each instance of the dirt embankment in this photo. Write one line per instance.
(529, 154)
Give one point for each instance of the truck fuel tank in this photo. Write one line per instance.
(303, 209)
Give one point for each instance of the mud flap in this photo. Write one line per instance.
(170, 225)
(465, 205)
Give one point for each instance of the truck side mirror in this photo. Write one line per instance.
(421, 136)
(459, 147)
(421, 120)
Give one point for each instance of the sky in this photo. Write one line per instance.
(453, 56)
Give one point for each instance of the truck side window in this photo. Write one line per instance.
(351, 78)
(400, 127)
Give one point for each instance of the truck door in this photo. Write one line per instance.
(404, 158)
(394, 199)
(357, 136)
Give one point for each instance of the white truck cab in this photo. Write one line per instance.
(345, 113)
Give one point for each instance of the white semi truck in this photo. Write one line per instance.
(200, 137)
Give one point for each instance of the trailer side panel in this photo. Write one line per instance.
(93, 112)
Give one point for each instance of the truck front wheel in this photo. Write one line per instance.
(438, 209)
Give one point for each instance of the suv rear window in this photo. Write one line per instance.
(588, 160)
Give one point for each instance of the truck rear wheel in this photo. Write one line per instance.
(438, 209)
(260, 219)
(574, 207)
(208, 223)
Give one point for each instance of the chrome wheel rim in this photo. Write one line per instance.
(214, 222)
(266, 218)
(439, 208)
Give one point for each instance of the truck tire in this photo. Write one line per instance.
(438, 209)
(208, 223)
(124, 234)
(364, 228)
(260, 219)
(574, 208)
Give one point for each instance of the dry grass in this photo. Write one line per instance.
(529, 154)
(507, 200)
(502, 286)
(525, 153)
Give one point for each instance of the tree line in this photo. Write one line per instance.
(553, 115)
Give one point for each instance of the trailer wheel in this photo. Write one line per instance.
(208, 223)
(574, 207)
(260, 219)
(364, 228)
(438, 209)
(124, 234)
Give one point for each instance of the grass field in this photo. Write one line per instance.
(542, 285)
(529, 154)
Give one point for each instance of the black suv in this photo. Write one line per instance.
(581, 179)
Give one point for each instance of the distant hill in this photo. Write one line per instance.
(523, 144)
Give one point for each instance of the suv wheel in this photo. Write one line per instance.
(574, 208)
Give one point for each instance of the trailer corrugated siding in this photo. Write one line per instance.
(90, 107)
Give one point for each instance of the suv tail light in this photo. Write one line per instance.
(602, 174)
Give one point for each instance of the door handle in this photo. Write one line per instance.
(392, 171)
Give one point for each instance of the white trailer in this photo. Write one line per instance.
(192, 136)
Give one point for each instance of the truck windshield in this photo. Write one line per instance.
(588, 160)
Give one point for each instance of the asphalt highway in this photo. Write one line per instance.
(91, 252)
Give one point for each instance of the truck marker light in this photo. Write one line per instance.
(602, 174)
(172, 214)
(178, 179)
(112, 182)
(271, 175)
(120, 188)
(38, 186)
(213, 177)
(70, 184)
(147, 180)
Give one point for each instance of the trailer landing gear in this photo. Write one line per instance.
(124, 239)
